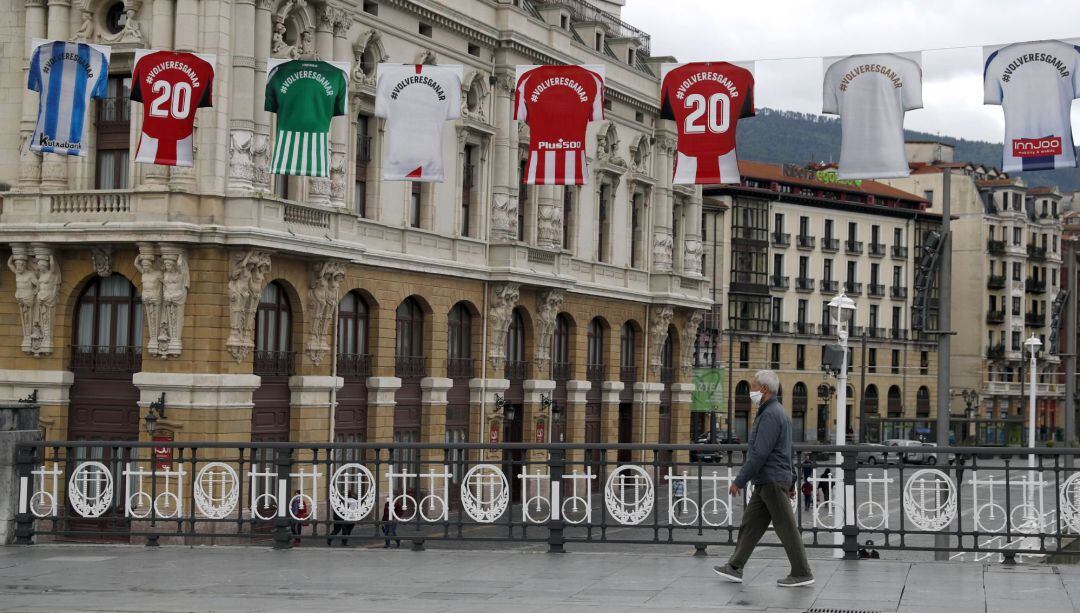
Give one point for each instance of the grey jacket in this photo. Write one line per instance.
(768, 458)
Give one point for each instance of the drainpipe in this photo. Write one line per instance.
(645, 387)
(333, 374)
(483, 369)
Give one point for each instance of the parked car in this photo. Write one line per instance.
(910, 452)
(872, 457)
(710, 456)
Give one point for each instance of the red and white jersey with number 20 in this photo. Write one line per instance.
(171, 85)
(706, 101)
(558, 102)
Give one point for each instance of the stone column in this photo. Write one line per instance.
(548, 219)
(18, 424)
(200, 407)
(53, 388)
(319, 187)
(161, 29)
(242, 145)
(339, 128)
(680, 418)
(609, 416)
(30, 163)
(646, 415)
(482, 399)
(692, 246)
(433, 421)
(311, 413)
(263, 30)
(662, 254)
(504, 164)
(576, 391)
(54, 172)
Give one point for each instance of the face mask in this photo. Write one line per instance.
(755, 397)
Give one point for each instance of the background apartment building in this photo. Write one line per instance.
(271, 308)
(779, 246)
(1007, 273)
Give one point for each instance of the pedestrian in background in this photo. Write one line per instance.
(298, 515)
(769, 466)
(390, 522)
(342, 526)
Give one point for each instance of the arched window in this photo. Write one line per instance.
(798, 398)
(560, 349)
(667, 359)
(108, 318)
(352, 336)
(410, 330)
(459, 338)
(515, 338)
(273, 333)
(895, 405)
(922, 402)
(870, 399)
(742, 396)
(594, 359)
(627, 352)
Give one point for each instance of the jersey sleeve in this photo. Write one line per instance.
(101, 90)
(33, 80)
(521, 110)
(912, 89)
(748, 109)
(453, 98)
(1076, 71)
(208, 91)
(382, 97)
(991, 84)
(271, 102)
(830, 103)
(136, 83)
(666, 111)
(598, 100)
(341, 101)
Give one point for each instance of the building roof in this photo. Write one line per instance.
(775, 172)
(999, 183)
(1044, 190)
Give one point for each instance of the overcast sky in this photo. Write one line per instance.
(735, 30)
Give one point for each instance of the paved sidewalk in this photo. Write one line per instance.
(132, 578)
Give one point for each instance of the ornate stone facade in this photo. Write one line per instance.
(501, 309)
(547, 311)
(322, 298)
(659, 321)
(37, 286)
(689, 334)
(248, 272)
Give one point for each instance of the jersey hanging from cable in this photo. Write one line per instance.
(306, 95)
(416, 100)
(871, 93)
(706, 100)
(558, 102)
(171, 85)
(1035, 84)
(66, 75)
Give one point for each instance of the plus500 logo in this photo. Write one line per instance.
(559, 145)
(1036, 147)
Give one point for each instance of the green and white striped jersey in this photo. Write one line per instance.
(305, 95)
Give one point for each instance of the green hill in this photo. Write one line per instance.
(800, 138)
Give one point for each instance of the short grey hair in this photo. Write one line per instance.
(768, 379)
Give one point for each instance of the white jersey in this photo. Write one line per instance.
(415, 100)
(871, 93)
(1035, 84)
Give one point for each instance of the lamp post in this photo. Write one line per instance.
(1033, 344)
(842, 311)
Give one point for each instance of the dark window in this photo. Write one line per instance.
(828, 228)
(800, 359)
(371, 8)
(603, 227)
(410, 330)
(273, 323)
(474, 49)
(871, 360)
(523, 200)
(363, 157)
(627, 347)
(352, 325)
(515, 338)
(567, 216)
(870, 399)
(595, 355)
(744, 354)
(895, 362)
(425, 29)
(459, 333)
(468, 181)
(560, 350)
(415, 203)
(895, 405)
(109, 314)
(115, 18)
(922, 402)
(113, 135)
(774, 356)
(924, 363)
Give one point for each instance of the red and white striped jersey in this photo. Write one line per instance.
(171, 85)
(558, 102)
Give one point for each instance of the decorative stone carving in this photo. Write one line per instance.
(342, 23)
(279, 47)
(474, 96)
(29, 162)
(319, 189)
(548, 306)
(662, 252)
(37, 286)
(370, 43)
(175, 282)
(426, 56)
(103, 262)
(307, 45)
(659, 321)
(689, 333)
(149, 266)
(503, 218)
(640, 154)
(337, 177)
(249, 159)
(503, 299)
(26, 286)
(692, 257)
(131, 33)
(549, 221)
(247, 275)
(506, 83)
(607, 146)
(523, 133)
(326, 278)
(86, 27)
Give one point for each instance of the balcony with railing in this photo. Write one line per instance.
(90, 358)
(628, 374)
(781, 239)
(802, 327)
(898, 292)
(1036, 320)
(1035, 286)
(803, 284)
(853, 247)
(828, 329)
(1035, 252)
(274, 363)
(875, 290)
(873, 332)
(995, 247)
(995, 317)
(460, 368)
(899, 334)
(561, 371)
(830, 244)
(410, 366)
(899, 251)
(353, 365)
(779, 282)
(595, 372)
(829, 286)
(995, 282)
(877, 250)
(853, 288)
(995, 352)
(805, 241)
(363, 150)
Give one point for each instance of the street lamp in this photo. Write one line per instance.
(154, 411)
(842, 313)
(1033, 344)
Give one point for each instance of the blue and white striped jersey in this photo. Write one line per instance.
(66, 75)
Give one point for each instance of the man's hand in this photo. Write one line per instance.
(734, 489)
(791, 493)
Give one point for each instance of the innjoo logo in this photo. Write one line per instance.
(1036, 147)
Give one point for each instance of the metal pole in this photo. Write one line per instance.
(944, 312)
(841, 431)
(1031, 407)
(862, 392)
(1070, 350)
(730, 378)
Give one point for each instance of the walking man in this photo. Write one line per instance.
(769, 467)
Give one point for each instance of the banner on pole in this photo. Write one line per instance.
(708, 394)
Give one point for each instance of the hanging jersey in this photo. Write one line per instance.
(871, 93)
(171, 86)
(706, 100)
(1035, 84)
(416, 100)
(66, 75)
(306, 95)
(558, 102)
